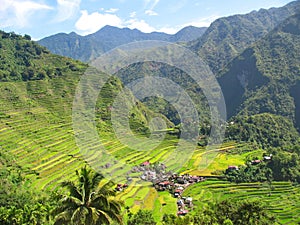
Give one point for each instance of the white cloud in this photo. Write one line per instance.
(112, 10)
(140, 25)
(150, 5)
(168, 30)
(66, 9)
(150, 13)
(202, 22)
(132, 14)
(90, 23)
(18, 12)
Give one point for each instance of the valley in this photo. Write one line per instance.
(251, 177)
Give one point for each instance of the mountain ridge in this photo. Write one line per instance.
(263, 77)
(227, 37)
(86, 48)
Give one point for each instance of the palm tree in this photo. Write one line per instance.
(88, 202)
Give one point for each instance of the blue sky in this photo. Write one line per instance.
(41, 18)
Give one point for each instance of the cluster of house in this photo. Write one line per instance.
(163, 180)
(152, 172)
(176, 184)
(121, 187)
(168, 181)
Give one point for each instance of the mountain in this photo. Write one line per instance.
(36, 111)
(183, 80)
(188, 33)
(263, 80)
(229, 36)
(89, 47)
(265, 77)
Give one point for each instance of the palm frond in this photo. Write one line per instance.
(91, 217)
(116, 206)
(79, 216)
(97, 178)
(63, 218)
(113, 216)
(67, 203)
(106, 189)
(103, 218)
(100, 201)
(73, 189)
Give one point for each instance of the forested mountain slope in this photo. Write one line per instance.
(229, 36)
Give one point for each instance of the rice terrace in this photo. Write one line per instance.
(134, 152)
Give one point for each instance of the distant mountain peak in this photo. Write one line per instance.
(87, 47)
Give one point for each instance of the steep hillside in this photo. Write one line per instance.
(23, 60)
(36, 115)
(89, 47)
(265, 130)
(159, 105)
(228, 37)
(265, 77)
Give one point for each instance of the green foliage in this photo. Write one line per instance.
(160, 105)
(227, 37)
(23, 59)
(285, 164)
(88, 203)
(142, 217)
(264, 130)
(19, 202)
(240, 213)
(250, 173)
(225, 212)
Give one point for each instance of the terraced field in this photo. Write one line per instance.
(36, 128)
(281, 198)
(43, 144)
(146, 197)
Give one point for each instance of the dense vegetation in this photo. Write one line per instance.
(89, 201)
(227, 37)
(283, 166)
(142, 70)
(23, 60)
(20, 203)
(262, 78)
(263, 130)
(227, 212)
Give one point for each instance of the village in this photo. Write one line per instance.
(164, 180)
(175, 184)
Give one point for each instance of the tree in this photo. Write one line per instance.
(88, 202)
(142, 217)
(243, 212)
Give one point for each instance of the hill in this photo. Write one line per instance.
(263, 78)
(227, 37)
(86, 48)
(24, 60)
(36, 113)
